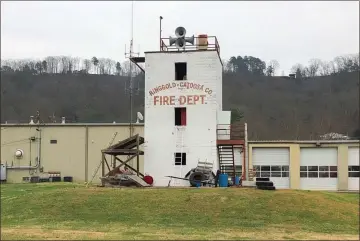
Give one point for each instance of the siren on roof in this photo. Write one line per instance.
(180, 40)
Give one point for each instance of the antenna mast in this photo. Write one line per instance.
(130, 55)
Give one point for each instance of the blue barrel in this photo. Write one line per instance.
(237, 180)
(223, 180)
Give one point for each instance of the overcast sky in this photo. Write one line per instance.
(290, 32)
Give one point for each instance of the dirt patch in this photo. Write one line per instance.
(145, 233)
(51, 234)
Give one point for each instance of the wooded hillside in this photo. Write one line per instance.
(274, 107)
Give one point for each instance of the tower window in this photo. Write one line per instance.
(180, 159)
(180, 71)
(180, 116)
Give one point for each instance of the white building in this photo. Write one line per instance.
(183, 100)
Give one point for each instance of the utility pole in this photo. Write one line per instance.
(129, 55)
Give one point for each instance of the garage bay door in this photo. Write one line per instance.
(318, 168)
(273, 163)
(353, 172)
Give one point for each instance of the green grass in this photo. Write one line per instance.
(71, 211)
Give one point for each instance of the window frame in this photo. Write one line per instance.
(179, 65)
(352, 172)
(268, 172)
(183, 116)
(180, 156)
(318, 171)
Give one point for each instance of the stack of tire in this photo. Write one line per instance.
(264, 183)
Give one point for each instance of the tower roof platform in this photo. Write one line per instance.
(201, 43)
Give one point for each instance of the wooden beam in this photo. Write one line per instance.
(123, 152)
(137, 156)
(102, 164)
(131, 168)
(107, 164)
(122, 163)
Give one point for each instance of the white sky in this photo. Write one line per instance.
(290, 32)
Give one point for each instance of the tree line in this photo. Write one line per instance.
(316, 67)
(246, 65)
(68, 65)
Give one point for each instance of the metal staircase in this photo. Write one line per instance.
(227, 160)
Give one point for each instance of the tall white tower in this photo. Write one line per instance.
(183, 95)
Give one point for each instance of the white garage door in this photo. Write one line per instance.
(273, 163)
(318, 168)
(353, 172)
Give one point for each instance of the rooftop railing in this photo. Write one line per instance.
(200, 43)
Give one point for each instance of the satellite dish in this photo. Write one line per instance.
(139, 117)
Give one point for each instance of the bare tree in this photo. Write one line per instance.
(325, 68)
(75, 63)
(313, 68)
(66, 64)
(274, 64)
(50, 64)
(95, 62)
(32, 64)
(299, 70)
(87, 65)
(39, 67)
(110, 66)
(57, 63)
(101, 66)
(333, 67)
(125, 68)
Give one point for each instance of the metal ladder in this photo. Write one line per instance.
(176, 181)
(177, 133)
(98, 167)
(181, 151)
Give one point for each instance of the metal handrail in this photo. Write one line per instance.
(228, 131)
(213, 45)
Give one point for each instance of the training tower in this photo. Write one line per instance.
(183, 107)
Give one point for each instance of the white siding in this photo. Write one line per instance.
(223, 121)
(162, 139)
(353, 160)
(238, 156)
(318, 157)
(273, 157)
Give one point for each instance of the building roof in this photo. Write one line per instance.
(303, 141)
(69, 124)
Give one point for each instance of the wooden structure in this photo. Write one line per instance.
(129, 148)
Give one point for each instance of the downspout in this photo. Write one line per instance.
(39, 147)
(246, 154)
(86, 152)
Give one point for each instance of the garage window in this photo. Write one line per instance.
(354, 171)
(272, 171)
(318, 171)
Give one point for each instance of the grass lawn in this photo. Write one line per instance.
(72, 211)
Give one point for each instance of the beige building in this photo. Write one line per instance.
(308, 165)
(75, 150)
(72, 149)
